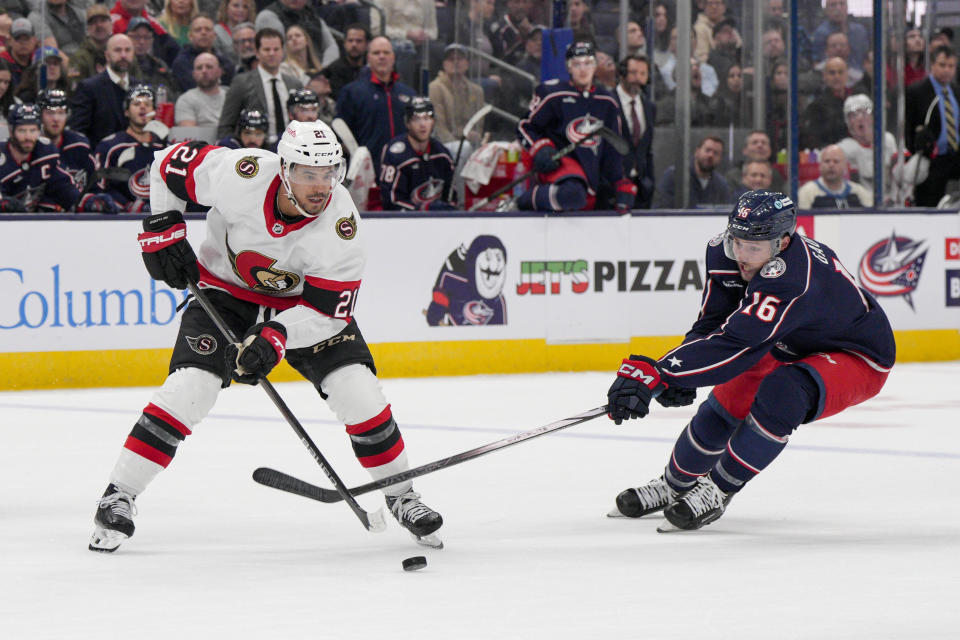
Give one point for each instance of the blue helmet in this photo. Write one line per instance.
(252, 119)
(761, 215)
(23, 114)
(52, 99)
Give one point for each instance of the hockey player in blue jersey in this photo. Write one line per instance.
(469, 288)
(251, 131)
(415, 168)
(787, 337)
(132, 149)
(558, 113)
(31, 178)
(76, 156)
(303, 105)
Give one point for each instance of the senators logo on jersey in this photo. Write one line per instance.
(259, 273)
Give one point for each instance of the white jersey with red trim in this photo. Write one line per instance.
(309, 268)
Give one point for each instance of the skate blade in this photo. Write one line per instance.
(616, 514)
(106, 541)
(432, 541)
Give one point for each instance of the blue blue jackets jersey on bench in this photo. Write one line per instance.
(40, 183)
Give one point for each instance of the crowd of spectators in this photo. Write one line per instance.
(210, 62)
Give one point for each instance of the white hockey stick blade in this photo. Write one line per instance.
(378, 523)
(346, 136)
(475, 118)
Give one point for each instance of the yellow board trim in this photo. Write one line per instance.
(148, 367)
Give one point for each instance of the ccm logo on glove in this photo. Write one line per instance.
(639, 370)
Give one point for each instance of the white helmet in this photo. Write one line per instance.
(859, 102)
(313, 144)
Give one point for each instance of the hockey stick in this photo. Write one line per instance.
(471, 123)
(372, 521)
(341, 128)
(284, 482)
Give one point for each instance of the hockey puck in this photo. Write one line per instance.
(415, 563)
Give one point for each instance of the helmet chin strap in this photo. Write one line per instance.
(285, 180)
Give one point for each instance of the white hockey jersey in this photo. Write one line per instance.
(310, 269)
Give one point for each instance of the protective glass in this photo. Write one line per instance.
(751, 251)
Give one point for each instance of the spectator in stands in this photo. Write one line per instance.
(714, 11)
(89, 58)
(411, 26)
(96, 107)
(939, 137)
(755, 174)
(20, 48)
(76, 156)
(914, 68)
(581, 21)
(838, 46)
(639, 114)
(264, 88)
(281, 14)
(347, 67)
(858, 146)
(164, 45)
(942, 37)
(725, 51)
(777, 103)
(47, 58)
(531, 60)
(416, 169)
(662, 26)
(837, 19)
(455, 98)
(705, 111)
(151, 70)
(709, 80)
(201, 106)
(301, 61)
(737, 102)
(636, 39)
(64, 21)
(230, 14)
(245, 46)
(201, 39)
(177, 17)
(15, 8)
(372, 105)
(756, 148)
(6, 89)
(251, 131)
(831, 190)
(821, 123)
(131, 149)
(773, 41)
(606, 75)
(320, 85)
(513, 29)
(707, 187)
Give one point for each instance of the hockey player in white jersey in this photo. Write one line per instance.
(282, 261)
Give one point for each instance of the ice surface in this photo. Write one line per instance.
(854, 532)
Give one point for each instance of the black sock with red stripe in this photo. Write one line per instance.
(156, 436)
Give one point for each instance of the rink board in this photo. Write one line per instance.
(559, 293)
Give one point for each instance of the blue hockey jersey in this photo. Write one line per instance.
(40, 183)
(557, 113)
(76, 158)
(123, 150)
(412, 181)
(802, 302)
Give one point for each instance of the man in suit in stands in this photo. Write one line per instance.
(264, 88)
(639, 114)
(939, 137)
(96, 108)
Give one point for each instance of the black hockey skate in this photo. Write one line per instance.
(113, 520)
(417, 518)
(640, 501)
(698, 507)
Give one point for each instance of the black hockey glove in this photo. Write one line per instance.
(166, 253)
(677, 397)
(11, 205)
(262, 349)
(638, 380)
(543, 160)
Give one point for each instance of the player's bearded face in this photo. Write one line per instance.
(420, 126)
(252, 138)
(24, 137)
(751, 255)
(311, 186)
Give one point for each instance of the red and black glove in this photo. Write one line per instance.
(626, 194)
(638, 380)
(166, 253)
(262, 349)
(543, 152)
